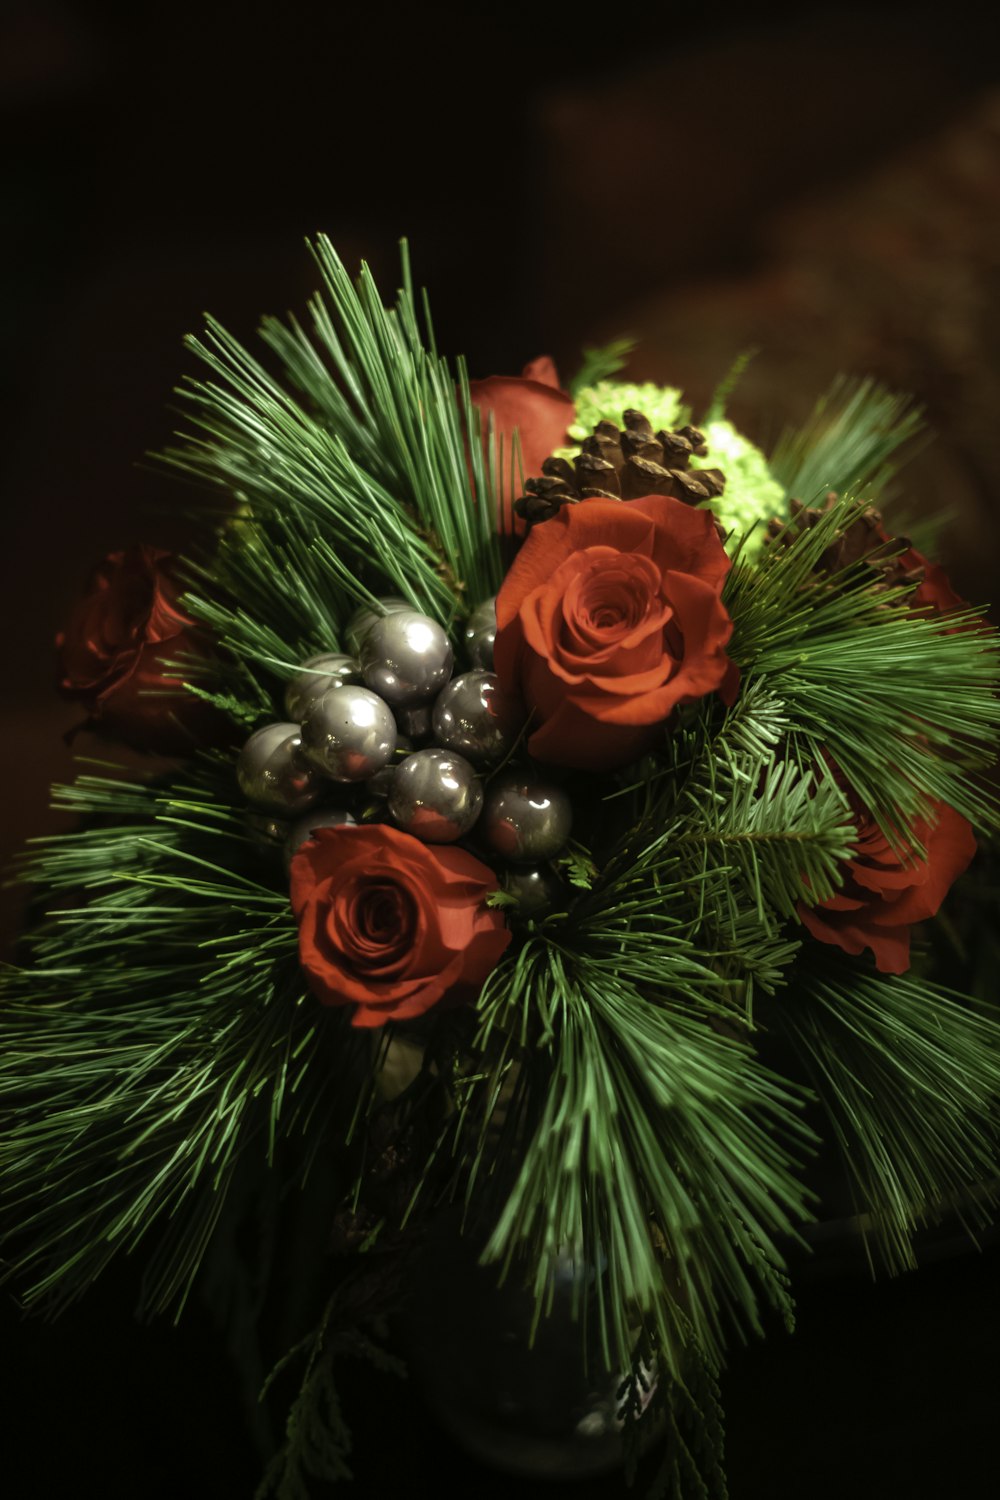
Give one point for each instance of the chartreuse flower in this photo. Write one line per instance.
(605, 402)
(751, 493)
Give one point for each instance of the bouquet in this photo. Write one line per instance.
(554, 844)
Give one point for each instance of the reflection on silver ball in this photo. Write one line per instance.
(349, 733)
(536, 888)
(526, 821)
(266, 832)
(406, 658)
(381, 782)
(474, 716)
(480, 633)
(272, 773)
(315, 677)
(436, 796)
(302, 829)
(365, 616)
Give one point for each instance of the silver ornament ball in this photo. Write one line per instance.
(266, 832)
(536, 888)
(474, 716)
(303, 828)
(273, 773)
(366, 615)
(480, 633)
(436, 796)
(380, 784)
(349, 733)
(526, 821)
(315, 677)
(406, 658)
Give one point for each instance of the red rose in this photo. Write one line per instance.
(933, 594)
(534, 404)
(113, 652)
(611, 617)
(885, 891)
(391, 925)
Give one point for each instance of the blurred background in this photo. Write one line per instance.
(820, 183)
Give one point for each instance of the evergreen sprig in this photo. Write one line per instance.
(364, 469)
(160, 1027)
(850, 443)
(904, 706)
(908, 1075)
(650, 1144)
(318, 1443)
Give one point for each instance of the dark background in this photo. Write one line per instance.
(823, 183)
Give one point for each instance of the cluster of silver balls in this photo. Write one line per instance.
(390, 720)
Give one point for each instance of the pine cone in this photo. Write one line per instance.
(618, 464)
(863, 539)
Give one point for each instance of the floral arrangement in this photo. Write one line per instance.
(562, 797)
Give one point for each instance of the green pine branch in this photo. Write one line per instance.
(160, 1030)
(647, 1142)
(318, 1444)
(904, 706)
(683, 1418)
(851, 442)
(360, 470)
(908, 1075)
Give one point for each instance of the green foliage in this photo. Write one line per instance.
(908, 1075)
(850, 443)
(160, 1030)
(683, 1418)
(649, 1143)
(691, 1467)
(317, 1442)
(601, 364)
(719, 401)
(905, 706)
(361, 472)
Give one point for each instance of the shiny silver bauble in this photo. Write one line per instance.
(480, 634)
(406, 658)
(537, 889)
(349, 733)
(436, 796)
(273, 772)
(381, 783)
(475, 717)
(525, 820)
(303, 828)
(365, 616)
(316, 676)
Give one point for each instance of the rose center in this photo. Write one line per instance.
(381, 917)
(614, 597)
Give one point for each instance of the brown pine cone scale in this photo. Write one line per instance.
(623, 464)
(863, 539)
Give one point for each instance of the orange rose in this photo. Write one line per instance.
(610, 618)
